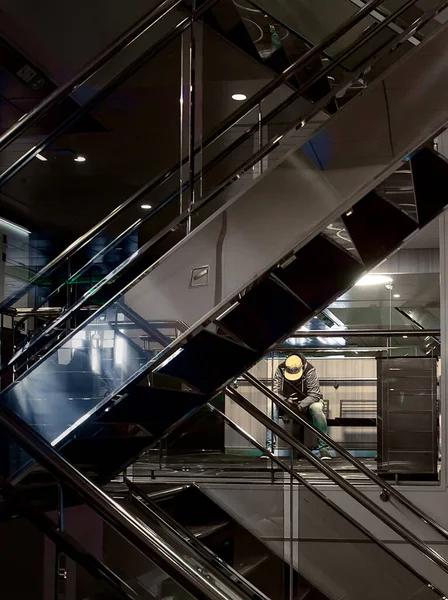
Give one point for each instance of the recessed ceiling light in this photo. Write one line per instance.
(146, 206)
(405, 337)
(374, 280)
(239, 97)
(80, 159)
(41, 157)
(396, 295)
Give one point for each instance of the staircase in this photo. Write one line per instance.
(254, 268)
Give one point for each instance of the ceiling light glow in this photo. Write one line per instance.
(373, 280)
(396, 295)
(239, 97)
(146, 206)
(41, 157)
(80, 159)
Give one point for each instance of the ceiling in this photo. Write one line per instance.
(139, 138)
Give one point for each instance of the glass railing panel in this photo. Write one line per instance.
(288, 514)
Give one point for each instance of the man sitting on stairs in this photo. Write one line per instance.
(296, 382)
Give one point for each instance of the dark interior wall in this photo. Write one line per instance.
(22, 561)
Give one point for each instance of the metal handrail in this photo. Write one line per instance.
(190, 541)
(90, 69)
(384, 485)
(225, 183)
(132, 529)
(286, 468)
(333, 476)
(226, 124)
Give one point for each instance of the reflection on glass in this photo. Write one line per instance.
(86, 369)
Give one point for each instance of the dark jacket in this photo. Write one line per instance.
(306, 389)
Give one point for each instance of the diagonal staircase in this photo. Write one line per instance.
(102, 398)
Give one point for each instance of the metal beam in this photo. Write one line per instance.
(333, 333)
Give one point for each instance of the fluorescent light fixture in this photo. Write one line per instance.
(146, 206)
(14, 226)
(80, 159)
(373, 280)
(41, 157)
(396, 295)
(239, 97)
(405, 337)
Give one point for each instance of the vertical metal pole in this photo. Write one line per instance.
(160, 454)
(291, 529)
(181, 123)
(443, 242)
(260, 135)
(192, 119)
(60, 562)
(68, 293)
